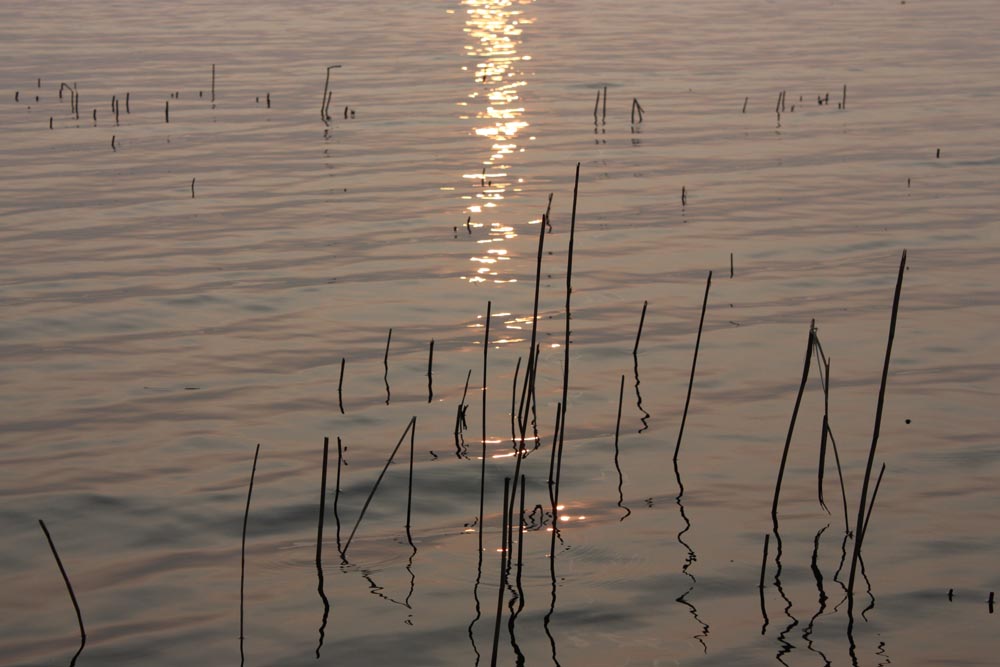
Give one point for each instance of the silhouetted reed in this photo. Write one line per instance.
(791, 425)
(636, 107)
(166, 112)
(638, 333)
(430, 372)
(385, 364)
(336, 493)
(503, 573)
(694, 365)
(69, 588)
(243, 545)
(745, 101)
(340, 385)
(364, 508)
(482, 474)
(565, 382)
(859, 524)
(618, 425)
(760, 586)
(327, 96)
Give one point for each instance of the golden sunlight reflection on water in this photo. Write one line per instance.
(494, 28)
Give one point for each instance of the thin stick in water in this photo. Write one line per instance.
(69, 587)
(385, 363)
(243, 543)
(859, 524)
(763, 570)
(791, 426)
(503, 573)
(566, 343)
(340, 385)
(364, 508)
(482, 475)
(409, 484)
(618, 425)
(430, 373)
(322, 503)
(694, 365)
(638, 334)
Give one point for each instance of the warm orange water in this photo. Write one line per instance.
(150, 339)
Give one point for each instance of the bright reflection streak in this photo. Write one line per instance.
(494, 29)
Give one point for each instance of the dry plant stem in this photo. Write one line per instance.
(859, 524)
(409, 483)
(336, 492)
(213, 87)
(552, 457)
(69, 586)
(760, 586)
(503, 573)
(694, 365)
(243, 544)
(482, 474)
(565, 385)
(364, 508)
(430, 373)
(638, 334)
(532, 355)
(340, 385)
(871, 505)
(791, 425)
(322, 502)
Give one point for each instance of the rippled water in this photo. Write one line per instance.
(174, 293)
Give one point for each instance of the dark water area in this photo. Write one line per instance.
(174, 293)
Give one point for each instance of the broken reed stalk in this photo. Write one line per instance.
(192, 188)
(127, 107)
(745, 100)
(859, 525)
(597, 103)
(385, 364)
(364, 508)
(694, 365)
(409, 484)
(760, 586)
(69, 587)
(618, 426)
(529, 378)
(825, 377)
(638, 334)
(340, 385)
(565, 385)
(791, 425)
(430, 373)
(552, 455)
(243, 543)
(324, 110)
(843, 98)
(336, 493)
(871, 505)
(322, 502)
(503, 573)
(166, 112)
(731, 271)
(482, 475)
(604, 105)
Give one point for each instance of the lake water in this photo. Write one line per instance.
(175, 293)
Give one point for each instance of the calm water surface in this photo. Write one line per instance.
(154, 332)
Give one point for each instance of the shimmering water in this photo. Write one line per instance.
(154, 332)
